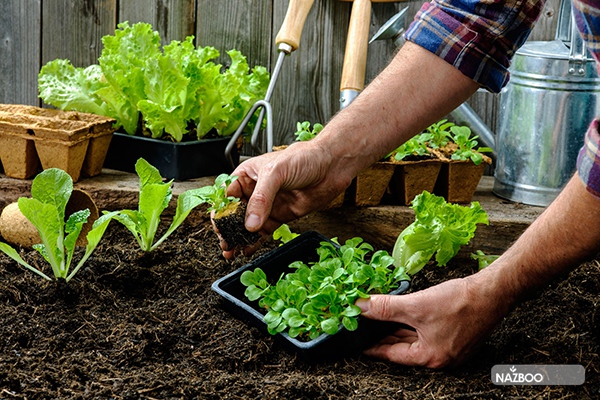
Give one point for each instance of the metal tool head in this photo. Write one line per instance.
(392, 29)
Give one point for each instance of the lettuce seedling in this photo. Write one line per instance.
(305, 133)
(415, 146)
(230, 212)
(319, 298)
(284, 234)
(154, 198)
(439, 228)
(216, 195)
(50, 193)
(483, 260)
(461, 135)
(438, 134)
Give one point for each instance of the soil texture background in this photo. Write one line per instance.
(132, 325)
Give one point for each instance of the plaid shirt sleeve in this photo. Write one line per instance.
(587, 18)
(479, 38)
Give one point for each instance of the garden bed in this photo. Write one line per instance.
(148, 326)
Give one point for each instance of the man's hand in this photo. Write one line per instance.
(449, 321)
(284, 185)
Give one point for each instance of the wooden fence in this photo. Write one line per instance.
(33, 32)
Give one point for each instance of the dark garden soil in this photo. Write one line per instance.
(148, 326)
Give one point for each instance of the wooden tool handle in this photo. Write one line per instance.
(291, 29)
(355, 57)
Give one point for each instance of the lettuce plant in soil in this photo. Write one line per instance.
(229, 212)
(154, 198)
(177, 91)
(440, 228)
(50, 193)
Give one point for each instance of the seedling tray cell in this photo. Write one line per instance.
(275, 263)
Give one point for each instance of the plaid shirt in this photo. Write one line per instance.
(480, 38)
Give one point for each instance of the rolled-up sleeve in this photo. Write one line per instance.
(479, 38)
(588, 163)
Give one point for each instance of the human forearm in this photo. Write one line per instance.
(566, 234)
(415, 90)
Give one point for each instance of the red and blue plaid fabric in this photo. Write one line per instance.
(587, 18)
(588, 163)
(479, 38)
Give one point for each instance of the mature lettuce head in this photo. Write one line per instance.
(439, 228)
(175, 89)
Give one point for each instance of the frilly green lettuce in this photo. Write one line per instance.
(175, 89)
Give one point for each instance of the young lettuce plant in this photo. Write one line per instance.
(439, 229)
(438, 134)
(304, 131)
(461, 135)
(415, 146)
(318, 298)
(284, 234)
(229, 212)
(154, 198)
(50, 193)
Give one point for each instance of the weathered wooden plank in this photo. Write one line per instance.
(545, 27)
(73, 29)
(244, 25)
(173, 19)
(19, 51)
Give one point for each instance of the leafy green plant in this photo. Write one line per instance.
(304, 132)
(439, 229)
(484, 259)
(415, 146)
(176, 89)
(284, 234)
(461, 135)
(50, 193)
(318, 298)
(216, 195)
(154, 198)
(438, 134)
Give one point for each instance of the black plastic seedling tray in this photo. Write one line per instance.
(275, 263)
(179, 161)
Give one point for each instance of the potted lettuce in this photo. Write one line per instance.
(173, 105)
(417, 169)
(463, 165)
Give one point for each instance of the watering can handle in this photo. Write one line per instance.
(291, 29)
(577, 52)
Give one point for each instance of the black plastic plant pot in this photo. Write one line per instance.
(325, 347)
(179, 161)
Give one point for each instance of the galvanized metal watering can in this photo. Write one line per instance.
(550, 100)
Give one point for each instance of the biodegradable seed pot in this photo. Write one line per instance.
(16, 229)
(412, 177)
(371, 184)
(72, 141)
(458, 179)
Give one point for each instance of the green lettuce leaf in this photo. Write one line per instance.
(72, 89)
(439, 229)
